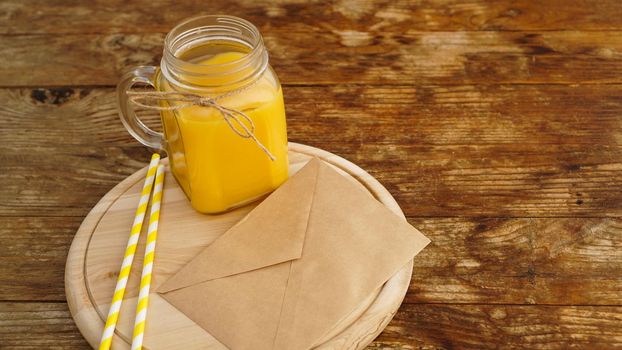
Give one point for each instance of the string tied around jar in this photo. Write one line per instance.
(236, 119)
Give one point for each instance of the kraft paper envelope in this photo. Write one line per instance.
(296, 265)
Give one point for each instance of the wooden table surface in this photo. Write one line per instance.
(497, 127)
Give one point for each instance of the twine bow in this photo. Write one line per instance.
(232, 116)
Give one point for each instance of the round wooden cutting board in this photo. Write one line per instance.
(99, 244)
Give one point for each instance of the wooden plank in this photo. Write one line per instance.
(473, 181)
(61, 180)
(470, 150)
(432, 115)
(498, 261)
(346, 57)
(31, 16)
(519, 261)
(32, 258)
(424, 114)
(510, 327)
(49, 325)
(38, 326)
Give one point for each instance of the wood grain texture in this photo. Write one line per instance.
(509, 327)
(38, 326)
(496, 125)
(32, 257)
(474, 181)
(519, 261)
(470, 260)
(352, 56)
(49, 181)
(495, 115)
(441, 151)
(31, 326)
(392, 16)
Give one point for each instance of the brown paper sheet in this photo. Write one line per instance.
(303, 259)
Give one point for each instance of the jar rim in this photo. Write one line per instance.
(224, 27)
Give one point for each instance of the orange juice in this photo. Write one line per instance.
(217, 168)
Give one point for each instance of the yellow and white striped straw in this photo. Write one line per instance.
(126, 266)
(145, 280)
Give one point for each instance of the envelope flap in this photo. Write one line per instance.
(353, 245)
(259, 240)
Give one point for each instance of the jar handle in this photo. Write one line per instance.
(138, 129)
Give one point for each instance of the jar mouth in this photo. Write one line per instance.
(200, 30)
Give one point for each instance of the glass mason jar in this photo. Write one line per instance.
(222, 58)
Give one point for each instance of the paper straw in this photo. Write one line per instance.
(126, 266)
(145, 280)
